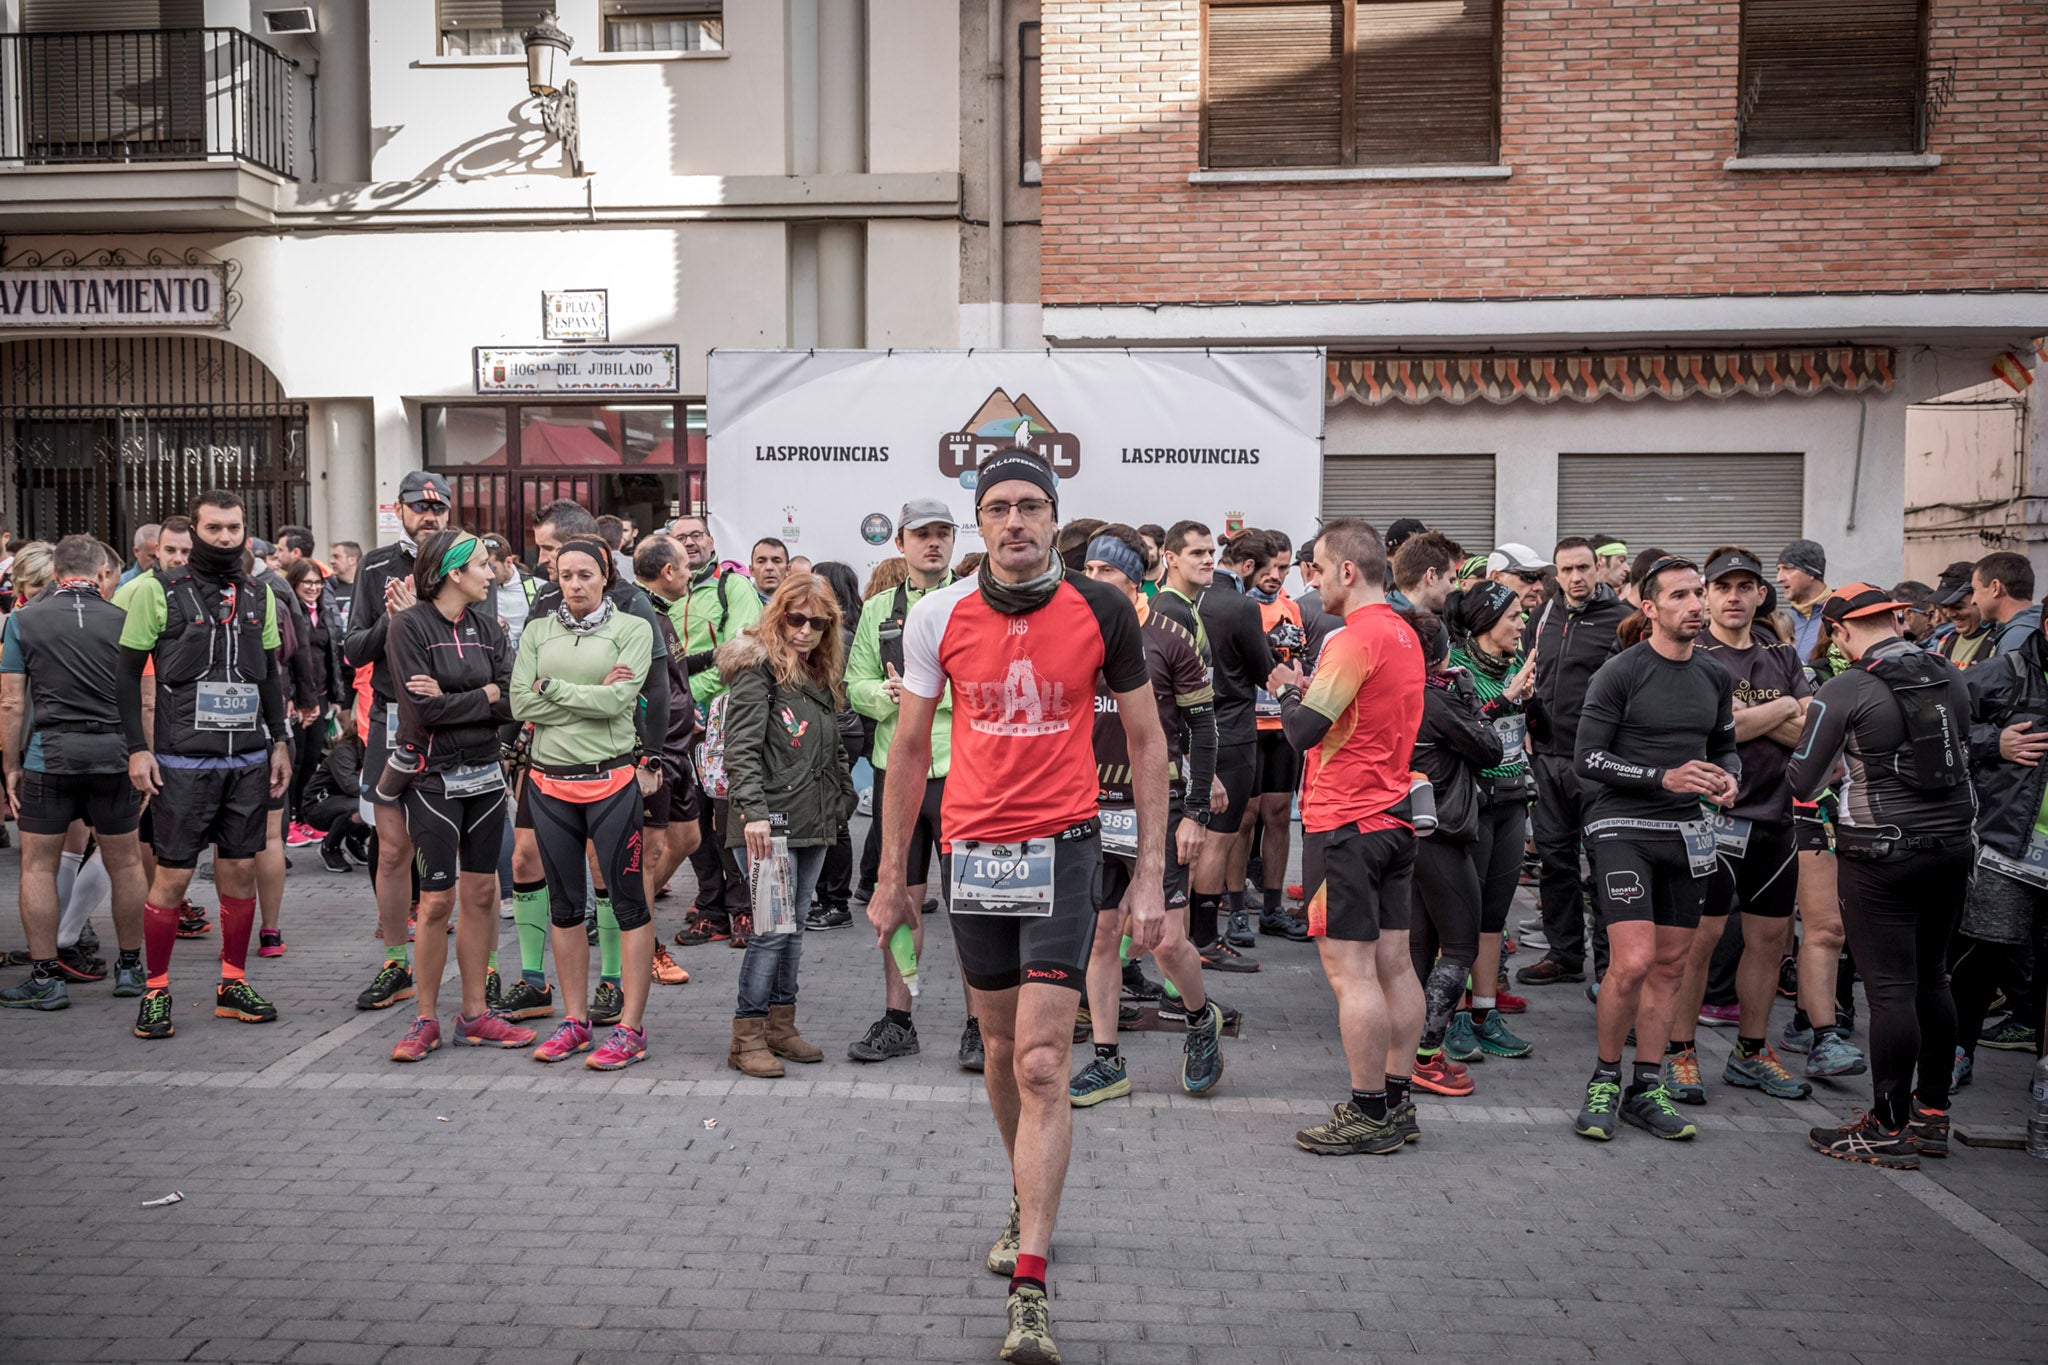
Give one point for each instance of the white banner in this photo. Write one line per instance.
(822, 449)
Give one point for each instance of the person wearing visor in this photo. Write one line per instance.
(1904, 849)
(384, 587)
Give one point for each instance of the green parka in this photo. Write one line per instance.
(782, 756)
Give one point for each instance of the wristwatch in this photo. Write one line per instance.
(1201, 815)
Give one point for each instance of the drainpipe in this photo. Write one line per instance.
(995, 119)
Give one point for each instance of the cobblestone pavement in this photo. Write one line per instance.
(480, 1207)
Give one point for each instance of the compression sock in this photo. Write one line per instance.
(491, 962)
(237, 919)
(1604, 1070)
(1202, 918)
(609, 966)
(530, 913)
(1748, 1047)
(1030, 1272)
(159, 936)
(1397, 1091)
(394, 952)
(1372, 1103)
(1647, 1076)
(68, 864)
(1105, 1052)
(88, 893)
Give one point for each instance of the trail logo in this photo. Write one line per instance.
(1000, 423)
(1625, 887)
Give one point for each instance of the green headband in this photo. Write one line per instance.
(458, 554)
(1611, 549)
(1475, 565)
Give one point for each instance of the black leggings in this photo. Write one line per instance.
(1445, 936)
(1899, 916)
(1497, 858)
(1980, 968)
(612, 827)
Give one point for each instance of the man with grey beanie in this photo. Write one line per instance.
(1802, 573)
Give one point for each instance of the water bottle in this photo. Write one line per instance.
(1123, 952)
(2037, 1120)
(904, 949)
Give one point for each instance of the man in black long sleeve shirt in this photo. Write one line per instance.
(383, 589)
(1656, 736)
(1240, 660)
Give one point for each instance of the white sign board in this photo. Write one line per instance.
(822, 449)
(115, 296)
(576, 369)
(575, 315)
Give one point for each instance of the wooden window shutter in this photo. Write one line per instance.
(1274, 84)
(104, 16)
(1428, 82)
(666, 9)
(473, 14)
(1832, 76)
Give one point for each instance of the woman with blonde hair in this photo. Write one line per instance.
(785, 779)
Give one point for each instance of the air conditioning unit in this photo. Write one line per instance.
(296, 21)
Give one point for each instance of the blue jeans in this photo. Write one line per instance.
(768, 971)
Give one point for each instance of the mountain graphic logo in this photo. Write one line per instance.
(1001, 423)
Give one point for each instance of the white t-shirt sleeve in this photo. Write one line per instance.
(924, 629)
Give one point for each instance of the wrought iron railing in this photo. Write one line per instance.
(146, 95)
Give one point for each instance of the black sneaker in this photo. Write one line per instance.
(2007, 1035)
(192, 923)
(607, 1003)
(1174, 1010)
(494, 991)
(1221, 957)
(1350, 1133)
(334, 860)
(238, 1000)
(1140, 987)
(521, 1001)
(970, 1057)
(392, 984)
(1276, 922)
(885, 1039)
(828, 917)
(1239, 933)
(1652, 1111)
(697, 931)
(1868, 1141)
(1929, 1130)
(1596, 1118)
(1201, 1063)
(77, 964)
(153, 1020)
(1406, 1121)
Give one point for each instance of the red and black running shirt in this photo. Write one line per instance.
(1023, 702)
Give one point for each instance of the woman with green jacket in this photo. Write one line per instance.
(785, 779)
(577, 679)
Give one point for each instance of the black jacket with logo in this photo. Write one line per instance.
(2006, 690)
(367, 619)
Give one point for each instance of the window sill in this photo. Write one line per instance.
(663, 55)
(1836, 161)
(489, 59)
(1347, 174)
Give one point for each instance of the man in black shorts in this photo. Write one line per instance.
(669, 827)
(1022, 648)
(62, 654)
(1262, 560)
(1656, 735)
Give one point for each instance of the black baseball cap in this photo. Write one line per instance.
(421, 486)
(1735, 561)
(1953, 590)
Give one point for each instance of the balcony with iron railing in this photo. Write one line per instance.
(193, 127)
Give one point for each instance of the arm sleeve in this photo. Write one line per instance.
(1722, 750)
(864, 672)
(1306, 717)
(1253, 646)
(128, 696)
(1195, 697)
(746, 727)
(1827, 732)
(1599, 719)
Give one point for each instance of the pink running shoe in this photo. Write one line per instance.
(423, 1037)
(568, 1039)
(269, 943)
(489, 1030)
(1720, 1016)
(300, 834)
(622, 1047)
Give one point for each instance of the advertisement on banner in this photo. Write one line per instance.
(835, 442)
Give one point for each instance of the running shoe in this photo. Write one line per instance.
(1834, 1055)
(828, 917)
(238, 1000)
(522, 1001)
(1503, 1003)
(1405, 1120)
(127, 980)
(1350, 1133)
(1603, 1103)
(2008, 1035)
(1682, 1077)
(1509, 946)
(1793, 1038)
(1652, 1111)
(1548, 971)
(508, 909)
(1239, 932)
(607, 1003)
(1201, 1063)
(392, 984)
(1461, 1041)
(742, 931)
(1221, 957)
(1175, 1011)
(590, 929)
(300, 834)
(970, 1056)
(494, 991)
(488, 1030)
(192, 922)
(1866, 1140)
(1929, 1130)
(1958, 1072)
(1766, 1073)
(1442, 1076)
(1002, 1257)
(423, 1037)
(698, 931)
(1084, 1023)
(885, 1038)
(269, 943)
(1029, 1341)
(76, 964)
(1496, 1039)
(334, 860)
(1788, 976)
(570, 1037)
(1721, 1016)
(38, 992)
(1141, 988)
(16, 957)
(1104, 1078)
(1276, 922)
(666, 972)
(622, 1047)
(153, 1020)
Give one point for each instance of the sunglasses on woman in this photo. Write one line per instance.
(796, 620)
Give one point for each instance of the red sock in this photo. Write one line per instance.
(237, 917)
(159, 936)
(1030, 1270)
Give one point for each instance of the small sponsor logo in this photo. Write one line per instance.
(1625, 887)
(1044, 974)
(876, 528)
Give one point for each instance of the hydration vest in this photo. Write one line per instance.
(1937, 738)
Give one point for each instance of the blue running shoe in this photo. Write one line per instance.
(1834, 1055)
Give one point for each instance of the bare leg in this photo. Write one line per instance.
(430, 950)
(636, 960)
(122, 853)
(1670, 946)
(997, 1011)
(40, 855)
(1104, 978)
(394, 875)
(572, 965)
(1820, 947)
(270, 870)
(1486, 966)
(1044, 1025)
(1363, 1019)
(476, 935)
(1406, 1007)
(1764, 941)
(1276, 811)
(1632, 944)
(1692, 989)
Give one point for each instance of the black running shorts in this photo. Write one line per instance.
(924, 835)
(51, 801)
(1002, 952)
(1646, 876)
(1762, 878)
(452, 834)
(1359, 885)
(1237, 770)
(1279, 766)
(223, 807)
(1114, 876)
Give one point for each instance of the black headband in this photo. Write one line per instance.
(1017, 464)
(597, 550)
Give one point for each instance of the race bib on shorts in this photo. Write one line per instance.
(1120, 831)
(1731, 834)
(473, 781)
(1701, 849)
(226, 706)
(1003, 879)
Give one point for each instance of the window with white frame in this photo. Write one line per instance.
(664, 25)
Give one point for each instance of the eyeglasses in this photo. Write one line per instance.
(1031, 508)
(798, 621)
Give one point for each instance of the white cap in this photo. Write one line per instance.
(1520, 558)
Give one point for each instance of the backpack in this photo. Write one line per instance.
(1937, 739)
(709, 760)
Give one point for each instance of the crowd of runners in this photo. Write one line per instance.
(1726, 780)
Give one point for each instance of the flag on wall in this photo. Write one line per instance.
(2013, 371)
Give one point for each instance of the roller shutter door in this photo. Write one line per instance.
(1453, 493)
(1687, 504)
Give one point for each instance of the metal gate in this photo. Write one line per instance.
(1453, 493)
(107, 434)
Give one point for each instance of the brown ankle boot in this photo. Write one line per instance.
(749, 1051)
(785, 1041)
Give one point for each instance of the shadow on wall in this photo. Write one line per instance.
(515, 150)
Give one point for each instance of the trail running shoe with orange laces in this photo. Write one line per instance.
(1682, 1076)
(1766, 1073)
(666, 972)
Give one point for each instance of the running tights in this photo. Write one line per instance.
(1444, 938)
(1900, 916)
(612, 827)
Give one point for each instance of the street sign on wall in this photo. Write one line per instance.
(114, 296)
(577, 369)
(575, 315)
